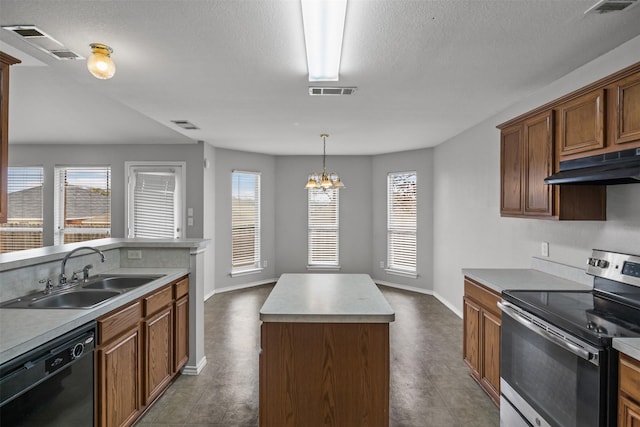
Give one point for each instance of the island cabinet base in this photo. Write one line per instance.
(324, 374)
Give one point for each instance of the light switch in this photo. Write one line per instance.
(190, 212)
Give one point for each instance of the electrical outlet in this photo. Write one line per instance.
(190, 222)
(189, 211)
(137, 254)
(544, 249)
(381, 264)
(265, 264)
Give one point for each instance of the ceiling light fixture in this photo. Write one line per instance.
(323, 22)
(325, 180)
(100, 63)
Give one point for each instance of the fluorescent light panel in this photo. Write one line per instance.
(323, 22)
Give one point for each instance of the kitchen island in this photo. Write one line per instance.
(325, 352)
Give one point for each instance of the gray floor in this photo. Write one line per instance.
(430, 385)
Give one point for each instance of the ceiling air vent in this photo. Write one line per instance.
(331, 91)
(185, 124)
(43, 41)
(606, 6)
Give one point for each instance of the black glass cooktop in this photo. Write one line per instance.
(594, 316)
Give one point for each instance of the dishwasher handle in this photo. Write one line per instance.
(557, 337)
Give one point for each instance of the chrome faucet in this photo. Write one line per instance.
(62, 280)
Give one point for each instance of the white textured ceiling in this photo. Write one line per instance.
(425, 70)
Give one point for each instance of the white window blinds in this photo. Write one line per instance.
(323, 227)
(82, 204)
(401, 221)
(245, 221)
(23, 229)
(154, 204)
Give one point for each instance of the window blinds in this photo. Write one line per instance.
(23, 229)
(154, 204)
(245, 221)
(401, 221)
(323, 227)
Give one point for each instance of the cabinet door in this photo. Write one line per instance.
(511, 156)
(471, 332)
(628, 413)
(5, 62)
(181, 333)
(538, 154)
(158, 353)
(582, 123)
(627, 110)
(119, 380)
(491, 354)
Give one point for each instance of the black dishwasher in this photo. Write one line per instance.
(51, 385)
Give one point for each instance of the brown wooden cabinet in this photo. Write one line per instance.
(582, 123)
(5, 62)
(481, 336)
(629, 392)
(626, 118)
(141, 347)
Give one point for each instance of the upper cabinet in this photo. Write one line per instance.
(600, 118)
(5, 62)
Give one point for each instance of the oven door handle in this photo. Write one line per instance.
(573, 348)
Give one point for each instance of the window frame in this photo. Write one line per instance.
(130, 168)
(393, 265)
(312, 263)
(256, 265)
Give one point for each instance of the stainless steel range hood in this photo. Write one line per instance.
(620, 167)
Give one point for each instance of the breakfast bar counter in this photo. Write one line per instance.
(325, 352)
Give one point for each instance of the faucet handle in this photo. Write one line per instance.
(48, 287)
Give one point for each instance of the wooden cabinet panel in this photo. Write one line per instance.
(471, 332)
(157, 300)
(629, 392)
(538, 155)
(491, 355)
(5, 62)
(511, 171)
(627, 110)
(119, 381)
(582, 123)
(628, 413)
(158, 336)
(181, 333)
(115, 323)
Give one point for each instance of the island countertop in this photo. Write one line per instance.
(328, 298)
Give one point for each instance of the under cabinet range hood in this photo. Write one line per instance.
(620, 167)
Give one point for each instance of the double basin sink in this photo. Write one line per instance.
(96, 290)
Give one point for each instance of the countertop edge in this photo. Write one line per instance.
(521, 279)
(327, 318)
(628, 346)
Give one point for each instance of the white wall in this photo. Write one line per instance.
(420, 161)
(51, 155)
(209, 216)
(469, 232)
(225, 162)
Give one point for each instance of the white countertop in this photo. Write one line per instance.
(326, 298)
(24, 329)
(628, 346)
(521, 279)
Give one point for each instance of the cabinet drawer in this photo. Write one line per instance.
(115, 323)
(630, 376)
(156, 301)
(487, 298)
(181, 288)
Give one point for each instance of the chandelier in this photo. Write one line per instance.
(324, 180)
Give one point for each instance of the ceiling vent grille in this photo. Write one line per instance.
(331, 91)
(185, 124)
(42, 41)
(606, 6)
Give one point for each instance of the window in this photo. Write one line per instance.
(401, 223)
(82, 204)
(23, 229)
(323, 228)
(245, 222)
(155, 203)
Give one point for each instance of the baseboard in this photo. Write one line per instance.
(422, 291)
(448, 304)
(194, 370)
(238, 287)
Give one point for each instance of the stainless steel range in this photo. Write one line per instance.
(558, 367)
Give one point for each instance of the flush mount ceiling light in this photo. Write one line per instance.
(324, 180)
(323, 22)
(100, 63)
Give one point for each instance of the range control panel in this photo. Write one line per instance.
(615, 266)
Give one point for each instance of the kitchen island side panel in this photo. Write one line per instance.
(319, 374)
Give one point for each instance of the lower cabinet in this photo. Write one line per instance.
(141, 348)
(629, 393)
(481, 341)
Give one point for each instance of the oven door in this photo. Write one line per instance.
(551, 379)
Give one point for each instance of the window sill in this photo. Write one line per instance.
(401, 273)
(245, 272)
(323, 267)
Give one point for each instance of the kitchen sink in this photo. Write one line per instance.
(74, 299)
(113, 282)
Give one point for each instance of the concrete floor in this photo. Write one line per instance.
(430, 385)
